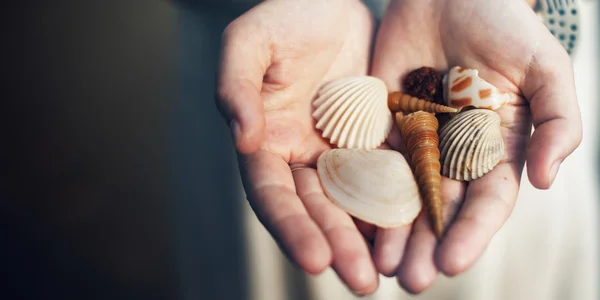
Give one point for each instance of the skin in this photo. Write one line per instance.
(518, 55)
(274, 58)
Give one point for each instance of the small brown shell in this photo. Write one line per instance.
(471, 144)
(398, 101)
(419, 133)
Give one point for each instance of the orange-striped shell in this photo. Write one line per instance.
(463, 87)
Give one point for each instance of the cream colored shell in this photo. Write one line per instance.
(464, 87)
(471, 144)
(352, 112)
(376, 186)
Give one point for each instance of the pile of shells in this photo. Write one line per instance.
(384, 187)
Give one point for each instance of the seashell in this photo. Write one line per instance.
(376, 186)
(352, 112)
(398, 101)
(399, 116)
(419, 133)
(471, 144)
(464, 87)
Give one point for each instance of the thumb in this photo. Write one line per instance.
(549, 84)
(242, 65)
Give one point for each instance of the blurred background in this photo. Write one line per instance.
(119, 180)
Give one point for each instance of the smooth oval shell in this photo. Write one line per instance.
(352, 112)
(471, 144)
(463, 88)
(376, 186)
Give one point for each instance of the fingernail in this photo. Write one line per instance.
(236, 131)
(553, 172)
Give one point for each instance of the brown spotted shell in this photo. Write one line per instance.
(463, 88)
(398, 101)
(419, 133)
(471, 144)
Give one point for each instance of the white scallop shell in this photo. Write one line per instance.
(352, 112)
(376, 186)
(464, 87)
(471, 144)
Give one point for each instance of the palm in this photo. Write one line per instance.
(501, 43)
(296, 52)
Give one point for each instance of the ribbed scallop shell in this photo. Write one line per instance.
(352, 112)
(471, 144)
(376, 186)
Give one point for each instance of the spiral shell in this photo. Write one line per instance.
(463, 87)
(376, 186)
(471, 144)
(398, 101)
(352, 112)
(419, 133)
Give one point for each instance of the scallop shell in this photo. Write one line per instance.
(464, 87)
(419, 133)
(376, 186)
(398, 101)
(352, 112)
(471, 144)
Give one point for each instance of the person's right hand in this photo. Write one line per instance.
(274, 58)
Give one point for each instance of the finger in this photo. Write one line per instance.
(351, 255)
(271, 192)
(550, 86)
(389, 248)
(488, 203)
(418, 270)
(244, 60)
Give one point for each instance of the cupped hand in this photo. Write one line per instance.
(512, 49)
(273, 60)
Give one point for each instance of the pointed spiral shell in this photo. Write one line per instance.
(419, 133)
(398, 101)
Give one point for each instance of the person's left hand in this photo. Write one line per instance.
(512, 49)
